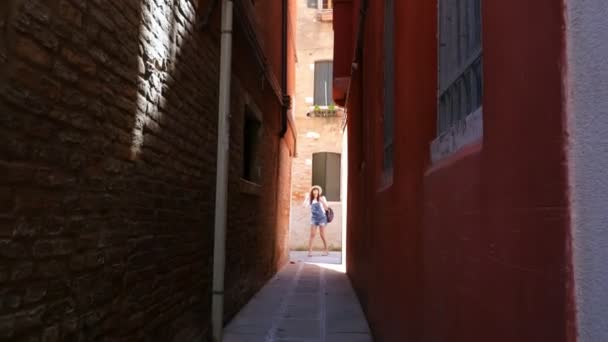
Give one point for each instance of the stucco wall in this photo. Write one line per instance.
(588, 126)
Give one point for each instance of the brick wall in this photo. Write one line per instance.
(107, 155)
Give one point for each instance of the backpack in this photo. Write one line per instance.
(330, 214)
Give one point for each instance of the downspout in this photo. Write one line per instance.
(284, 101)
(221, 192)
(285, 98)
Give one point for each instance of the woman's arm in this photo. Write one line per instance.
(324, 202)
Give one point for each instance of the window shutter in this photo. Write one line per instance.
(323, 83)
(459, 61)
(326, 173)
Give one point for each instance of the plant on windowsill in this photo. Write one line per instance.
(324, 111)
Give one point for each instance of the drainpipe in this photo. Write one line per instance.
(221, 192)
(285, 98)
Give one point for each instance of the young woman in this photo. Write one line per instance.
(318, 206)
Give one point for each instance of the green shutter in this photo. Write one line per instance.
(326, 173)
(323, 83)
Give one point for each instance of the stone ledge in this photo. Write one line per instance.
(250, 188)
(463, 133)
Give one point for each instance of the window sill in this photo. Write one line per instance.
(463, 133)
(387, 181)
(325, 15)
(250, 188)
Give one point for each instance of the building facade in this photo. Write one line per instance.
(108, 140)
(319, 124)
(474, 187)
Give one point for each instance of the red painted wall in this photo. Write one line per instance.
(475, 247)
(343, 47)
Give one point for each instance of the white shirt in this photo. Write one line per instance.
(323, 202)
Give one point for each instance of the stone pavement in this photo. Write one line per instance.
(311, 299)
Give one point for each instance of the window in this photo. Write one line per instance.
(252, 137)
(326, 173)
(389, 90)
(319, 4)
(327, 4)
(459, 62)
(323, 83)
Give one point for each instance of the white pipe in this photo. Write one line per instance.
(221, 192)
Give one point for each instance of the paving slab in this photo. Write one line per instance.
(310, 300)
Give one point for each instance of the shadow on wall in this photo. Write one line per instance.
(107, 131)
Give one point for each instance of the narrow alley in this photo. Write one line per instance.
(311, 299)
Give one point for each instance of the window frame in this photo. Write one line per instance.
(459, 76)
(328, 93)
(252, 115)
(388, 118)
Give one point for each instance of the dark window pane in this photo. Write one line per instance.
(252, 170)
(389, 84)
(460, 61)
(323, 83)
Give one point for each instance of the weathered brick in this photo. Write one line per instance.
(10, 301)
(51, 334)
(103, 19)
(71, 117)
(70, 13)
(29, 319)
(13, 149)
(7, 200)
(51, 268)
(77, 263)
(34, 293)
(80, 60)
(94, 259)
(12, 249)
(60, 308)
(74, 99)
(38, 10)
(30, 50)
(22, 270)
(32, 337)
(64, 72)
(7, 327)
(54, 247)
(26, 228)
(4, 273)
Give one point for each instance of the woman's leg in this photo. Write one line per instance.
(312, 236)
(322, 233)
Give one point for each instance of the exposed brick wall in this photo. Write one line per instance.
(107, 161)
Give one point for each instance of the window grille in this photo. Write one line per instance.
(389, 87)
(323, 83)
(460, 60)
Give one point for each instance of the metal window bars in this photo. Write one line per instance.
(460, 61)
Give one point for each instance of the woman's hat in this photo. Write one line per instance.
(318, 188)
